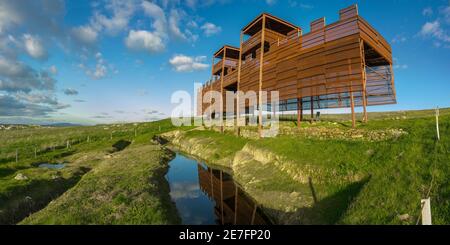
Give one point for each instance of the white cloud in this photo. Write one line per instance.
(85, 34)
(183, 63)
(434, 29)
(8, 16)
(427, 11)
(121, 13)
(53, 70)
(145, 41)
(158, 15)
(100, 70)
(16, 76)
(174, 25)
(210, 29)
(271, 2)
(34, 47)
(70, 91)
(399, 38)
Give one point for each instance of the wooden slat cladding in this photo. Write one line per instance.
(374, 39)
(328, 61)
(318, 24)
(349, 12)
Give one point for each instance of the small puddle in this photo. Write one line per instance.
(52, 166)
(206, 196)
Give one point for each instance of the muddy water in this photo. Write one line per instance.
(204, 195)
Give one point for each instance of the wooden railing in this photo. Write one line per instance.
(251, 42)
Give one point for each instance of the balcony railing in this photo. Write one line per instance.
(229, 63)
(251, 42)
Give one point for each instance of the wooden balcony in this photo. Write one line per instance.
(228, 63)
(251, 42)
(230, 78)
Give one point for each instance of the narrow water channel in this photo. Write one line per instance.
(206, 196)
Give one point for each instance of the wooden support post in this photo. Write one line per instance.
(212, 184)
(254, 214)
(364, 77)
(352, 104)
(221, 88)
(221, 196)
(211, 87)
(236, 195)
(261, 63)
(238, 84)
(299, 112)
(352, 101)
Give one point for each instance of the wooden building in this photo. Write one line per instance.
(340, 65)
(232, 205)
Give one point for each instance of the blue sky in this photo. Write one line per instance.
(109, 61)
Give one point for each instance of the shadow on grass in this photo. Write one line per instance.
(328, 210)
(33, 196)
(119, 146)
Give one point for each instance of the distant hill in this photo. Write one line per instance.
(62, 124)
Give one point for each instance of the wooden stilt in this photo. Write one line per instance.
(364, 77)
(352, 101)
(221, 88)
(238, 84)
(221, 196)
(299, 112)
(254, 214)
(236, 195)
(352, 104)
(261, 63)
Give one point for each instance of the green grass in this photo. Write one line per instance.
(127, 189)
(355, 181)
(19, 198)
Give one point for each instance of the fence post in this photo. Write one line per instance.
(426, 211)
(67, 145)
(437, 123)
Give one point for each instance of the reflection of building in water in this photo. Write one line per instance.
(232, 205)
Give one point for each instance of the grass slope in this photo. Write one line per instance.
(128, 188)
(320, 179)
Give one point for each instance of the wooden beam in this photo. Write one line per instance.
(238, 84)
(352, 102)
(364, 77)
(236, 195)
(221, 196)
(299, 112)
(261, 63)
(254, 214)
(221, 88)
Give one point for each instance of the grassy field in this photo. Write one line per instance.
(374, 174)
(323, 173)
(89, 148)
